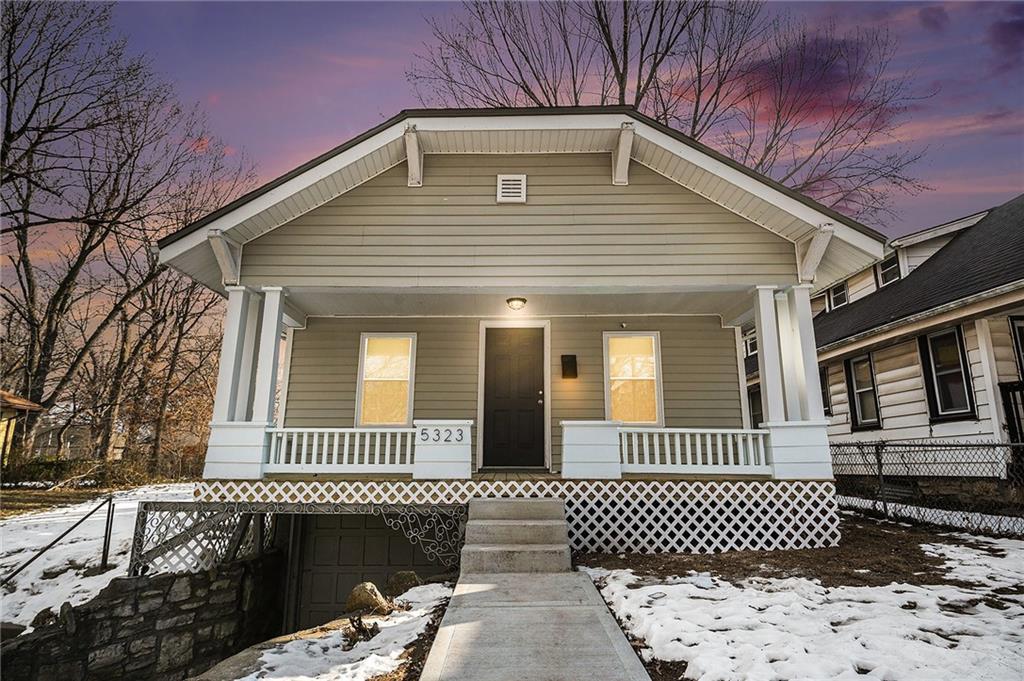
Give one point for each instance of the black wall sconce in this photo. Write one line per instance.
(569, 366)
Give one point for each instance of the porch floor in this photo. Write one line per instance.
(506, 475)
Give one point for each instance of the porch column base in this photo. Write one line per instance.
(236, 450)
(590, 450)
(799, 450)
(444, 450)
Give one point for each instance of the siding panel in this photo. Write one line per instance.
(576, 229)
(902, 399)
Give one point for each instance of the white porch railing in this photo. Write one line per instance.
(692, 450)
(340, 450)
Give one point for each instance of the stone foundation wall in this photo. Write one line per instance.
(154, 628)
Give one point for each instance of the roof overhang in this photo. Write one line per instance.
(524, 131)
(945, 229)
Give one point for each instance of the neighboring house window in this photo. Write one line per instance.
(633, 377)
(837, 296)
(888, 270)
(387, 367)
(860, 380)
(826, 397)
(1017, 329)
(947, 374)
(749, 345)
(756, 410)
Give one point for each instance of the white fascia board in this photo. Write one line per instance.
(283, 191)
(938, 230)
(761, 190)
(520, 122)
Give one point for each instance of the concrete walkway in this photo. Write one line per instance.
(530, 627)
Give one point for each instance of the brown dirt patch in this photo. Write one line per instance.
(870, 553)
(415, 653)
(19, 500)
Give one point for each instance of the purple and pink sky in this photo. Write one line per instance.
(286, 81)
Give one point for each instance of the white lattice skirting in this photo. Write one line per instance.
(615, 516)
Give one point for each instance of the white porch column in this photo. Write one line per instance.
(238, 449)
(768, 365)
(789, 356)
(269, 355)
(243, 404)
(811, 406)
(799, 438)
(231, 354)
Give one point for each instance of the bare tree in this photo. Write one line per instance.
(98, 159)
(811, 107)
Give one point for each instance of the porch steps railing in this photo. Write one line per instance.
(692, 450)
(341, 450)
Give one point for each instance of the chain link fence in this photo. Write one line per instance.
(977, 487)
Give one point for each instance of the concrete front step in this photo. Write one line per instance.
(517, 532)
(490, 558)
(516, 509)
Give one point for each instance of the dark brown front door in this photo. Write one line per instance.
(514, 398)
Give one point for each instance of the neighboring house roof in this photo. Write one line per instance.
(593, 129)
(946, 228)
(9, 400)
(988, 256)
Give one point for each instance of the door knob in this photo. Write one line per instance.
(540, 401)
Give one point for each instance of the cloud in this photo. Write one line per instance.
(934, 18)
(1006, 38)
(996, 123)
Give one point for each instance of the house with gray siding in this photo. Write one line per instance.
(527, 303)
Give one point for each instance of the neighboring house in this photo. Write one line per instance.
(525, 302)
(929, 340)
(12, 408)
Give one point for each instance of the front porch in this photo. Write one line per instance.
(659, 392)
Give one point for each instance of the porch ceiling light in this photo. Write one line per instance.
(516, 303)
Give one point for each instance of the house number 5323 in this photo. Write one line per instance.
(442, 434)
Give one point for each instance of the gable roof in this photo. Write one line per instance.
(518, 111)
(524, 130)
(986, 256)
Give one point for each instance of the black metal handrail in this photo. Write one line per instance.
(109, 503)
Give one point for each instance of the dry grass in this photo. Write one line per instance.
(15, 501)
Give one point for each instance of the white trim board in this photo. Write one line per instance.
(513, 324)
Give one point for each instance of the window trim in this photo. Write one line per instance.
(826, 391)
(856, 423)
(1016, 323)
(878, 270)
(831, 289)
(748, 340)
(659, 397)
(935, 413)
(363, 338)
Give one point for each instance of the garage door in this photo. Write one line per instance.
(339, 551)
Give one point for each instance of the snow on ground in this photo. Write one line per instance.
(65, 572)
(326, 659)
(794, 629)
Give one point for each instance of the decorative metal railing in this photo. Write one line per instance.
(693, 450)
(341, 450)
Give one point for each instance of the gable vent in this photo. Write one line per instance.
(511, 188)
